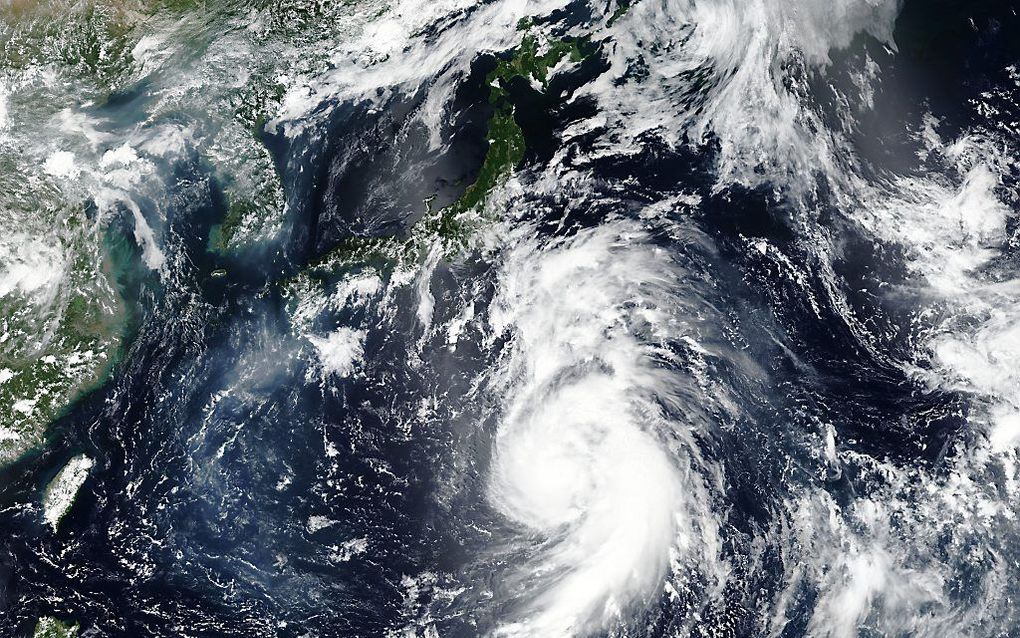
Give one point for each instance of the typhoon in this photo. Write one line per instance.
(509, 318)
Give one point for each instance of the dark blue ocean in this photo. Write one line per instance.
(236, 492)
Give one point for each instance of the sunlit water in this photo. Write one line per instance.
(730, 353)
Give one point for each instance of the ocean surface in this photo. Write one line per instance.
(550, 318)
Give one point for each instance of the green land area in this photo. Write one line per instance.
(49, 627)
(453, 225)
(63, 315)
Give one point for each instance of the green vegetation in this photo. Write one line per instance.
(97, 44)
(252, 187)
(244, 166)
(622, 7)
(61, 319)
(59, 341)
(90, 42)
(223, 232)
(527, 62)
(191, 70)
(506, 149)
(49, 627)
(506, 140)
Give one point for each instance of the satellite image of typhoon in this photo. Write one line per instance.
(509, 318)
